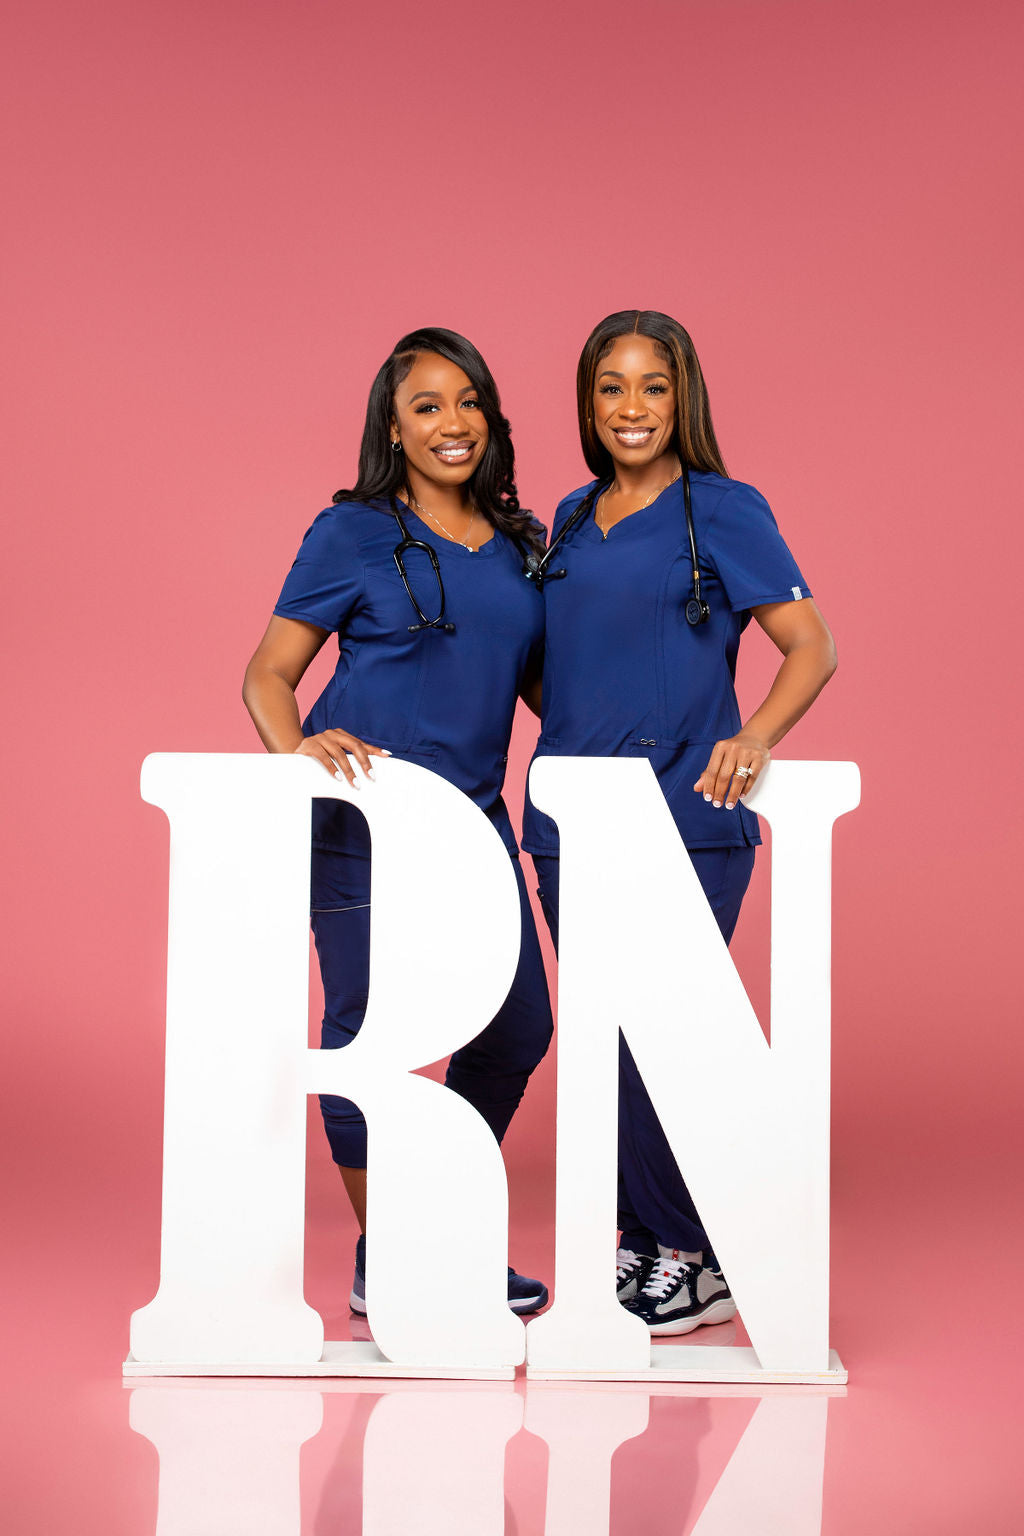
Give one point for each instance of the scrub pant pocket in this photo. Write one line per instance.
(491, 1072)
(655, 1205)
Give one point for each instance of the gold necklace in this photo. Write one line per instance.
(447, 532)
(640, 508)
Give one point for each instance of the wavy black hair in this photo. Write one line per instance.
(694, 438)
(492, 485)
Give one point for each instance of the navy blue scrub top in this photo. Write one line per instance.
(625, 675)
(445, 701)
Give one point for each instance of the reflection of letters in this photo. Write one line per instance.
(774, 1480)
(433, 1461)
(753, 1141)
(748, 1124)
(229, 1459)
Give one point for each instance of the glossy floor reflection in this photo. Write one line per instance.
(483, 1459)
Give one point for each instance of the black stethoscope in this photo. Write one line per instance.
(407, 542)
(402, 548)
(535, 569)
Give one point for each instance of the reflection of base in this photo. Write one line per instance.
(704, 1362)
(361, 1358)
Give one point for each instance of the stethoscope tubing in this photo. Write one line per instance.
(697, 610)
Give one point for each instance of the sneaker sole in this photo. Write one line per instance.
(524, 1304)
(714, 1312)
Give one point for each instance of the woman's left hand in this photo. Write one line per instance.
(723, 781)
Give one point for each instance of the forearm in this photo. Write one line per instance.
(803, 674)
(271, 702)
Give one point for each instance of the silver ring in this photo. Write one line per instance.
(744, 773)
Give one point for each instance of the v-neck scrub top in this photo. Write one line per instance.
(445, 701)
(625, 675)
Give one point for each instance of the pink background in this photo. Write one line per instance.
(222, 216)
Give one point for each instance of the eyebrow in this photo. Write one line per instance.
(609, 373)
(435, 394)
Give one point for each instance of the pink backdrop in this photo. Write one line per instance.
(223, 216)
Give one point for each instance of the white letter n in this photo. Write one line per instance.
(749, 1125)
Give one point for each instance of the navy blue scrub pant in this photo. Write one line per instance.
(654, 1203)
(490, 1072)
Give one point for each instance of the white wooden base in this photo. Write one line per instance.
(704, 1362)
(340, 1358)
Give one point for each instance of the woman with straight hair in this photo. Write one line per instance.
(666, 560)
(418, 572)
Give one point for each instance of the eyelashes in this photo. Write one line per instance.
(428, 405)
(616, 389)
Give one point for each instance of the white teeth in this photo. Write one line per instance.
(633, 437)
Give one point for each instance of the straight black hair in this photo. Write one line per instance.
(493, 483)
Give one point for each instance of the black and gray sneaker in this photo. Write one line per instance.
(631, 1270)
(678, 1297)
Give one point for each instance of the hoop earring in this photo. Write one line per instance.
(396, 445)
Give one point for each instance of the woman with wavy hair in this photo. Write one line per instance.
(666, 560)
(418, 571)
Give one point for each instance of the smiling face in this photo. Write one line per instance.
(635, 402)
(438, 418)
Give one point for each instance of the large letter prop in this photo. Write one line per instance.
(443, 951)
(640, 951)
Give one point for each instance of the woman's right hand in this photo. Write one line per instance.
(334, 749)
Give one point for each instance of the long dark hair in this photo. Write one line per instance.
(694, 438)
(493, 482)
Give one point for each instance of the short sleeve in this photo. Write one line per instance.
(326, 577)
(751, 557)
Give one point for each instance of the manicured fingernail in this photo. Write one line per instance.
(384, 752)
(338, 774)
(717, 804)
(370, 773)
(730, 805)
(707, 797)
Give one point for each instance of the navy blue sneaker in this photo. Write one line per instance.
(357, 1300)
(525, 1295)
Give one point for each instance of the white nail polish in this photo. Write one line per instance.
(370, 773)
(384, 752)
(708, 799)
(730, 805)
(338, 774)
(717, 804)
